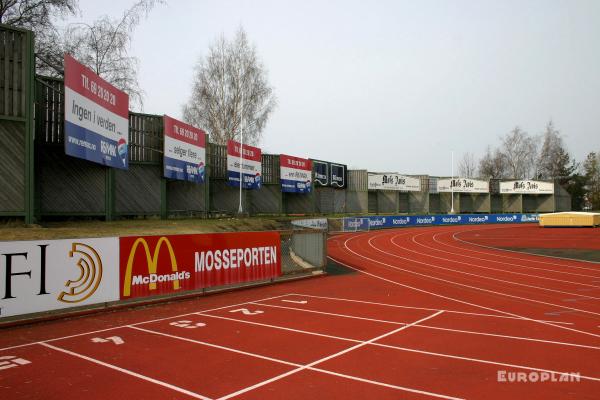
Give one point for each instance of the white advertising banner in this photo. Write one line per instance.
(527, 187)
(46, 275)
(462, 185)
(393, 182)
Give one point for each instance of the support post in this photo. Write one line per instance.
(207, 179)
(29, 71)
(109, 200)
(163, 198)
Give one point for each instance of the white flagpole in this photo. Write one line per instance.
(452, 187)
(240, 209)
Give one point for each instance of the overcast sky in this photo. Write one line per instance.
(390, 85)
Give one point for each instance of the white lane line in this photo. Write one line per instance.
(528, 339)
(299, 366)
(357, 346)
(281, 328)
(430, 353)
(136, 323)
(128, 372)
(447, 297)
(553, 342)
(507, 271)
(415, 325)
(435, 239)
(478, 360)
(216, 346)
(434, 327)
(493, 269)
(457, 283)
(461, 284)
(420, 308)
(522, 252)
(332, 314)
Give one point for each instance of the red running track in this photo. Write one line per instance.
(424, 314)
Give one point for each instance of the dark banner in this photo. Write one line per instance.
(338, 176)
(321, 169)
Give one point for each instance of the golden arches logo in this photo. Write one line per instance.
(151, 262)
(90, 266)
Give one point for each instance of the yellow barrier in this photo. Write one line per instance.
(570, 218)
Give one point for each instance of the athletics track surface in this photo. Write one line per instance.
(424, 314)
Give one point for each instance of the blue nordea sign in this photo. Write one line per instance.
(418, 220)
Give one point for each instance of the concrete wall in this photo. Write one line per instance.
(357, 202)
(296, 203)
(538, 203)
(482, 203)
(330, 200)
(512, 203)
(496, 203)
(445, 202)
(562, 199)
(387, 202)
(418, 202)
(434, 203)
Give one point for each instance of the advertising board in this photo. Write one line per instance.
(393, 182)
(96, 117)
(295, 174)
(159, 265)
(462, 185)
(184, 151)
(526, 187)
(338, 175)
(321, 169)
(251, 165)
(44, 275)
(396, 221)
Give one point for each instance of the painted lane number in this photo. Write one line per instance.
(115, 339)
(245, 311)
(7, 362)
(187, 324)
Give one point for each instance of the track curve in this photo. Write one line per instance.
(450, 267)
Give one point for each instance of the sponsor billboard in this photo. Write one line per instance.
(295, 174)
(96, 117)
(44, 275)
(393, 182)
(314, 223)
(462, 185)
(159, 265)
(338, 175)
(461, 219)
(527, 187)
(184, 151)
(321, 169)
(251, 165)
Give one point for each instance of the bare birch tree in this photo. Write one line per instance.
(491, 165)
(519, 152)
(467, 167)
(230, 89)
(554, 160)
(104, 47)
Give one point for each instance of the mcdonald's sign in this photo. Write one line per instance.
(158, 265)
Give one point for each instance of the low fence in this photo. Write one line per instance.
(63, 276)
(397, 221)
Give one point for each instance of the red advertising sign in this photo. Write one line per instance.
(158, 265)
